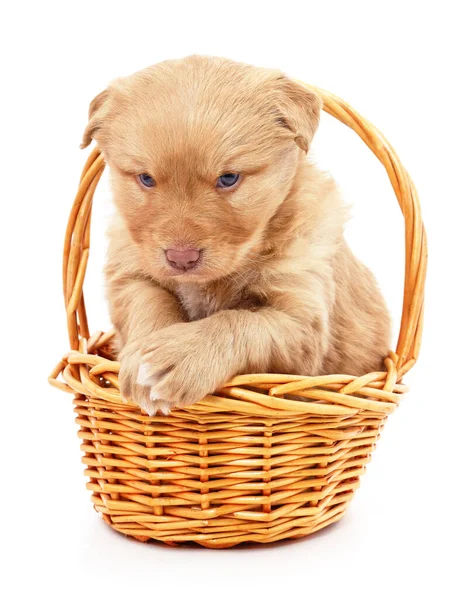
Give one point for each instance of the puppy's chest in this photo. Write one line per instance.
(199, 302)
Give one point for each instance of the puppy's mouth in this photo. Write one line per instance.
(183, 271)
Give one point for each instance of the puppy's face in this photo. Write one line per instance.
(202, 153)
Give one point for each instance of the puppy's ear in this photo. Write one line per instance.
(96, 115)
(300, 109)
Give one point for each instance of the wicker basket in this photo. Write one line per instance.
(245, 464)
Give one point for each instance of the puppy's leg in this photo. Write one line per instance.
(139, 309)
(187, 361)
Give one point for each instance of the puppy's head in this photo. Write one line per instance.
(202, 152)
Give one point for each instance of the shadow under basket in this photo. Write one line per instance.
(245, 464)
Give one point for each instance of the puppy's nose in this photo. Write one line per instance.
(182, 259)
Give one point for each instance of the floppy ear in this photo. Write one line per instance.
(96, 114)
(300, 110)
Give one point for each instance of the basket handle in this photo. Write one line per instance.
(77, 240)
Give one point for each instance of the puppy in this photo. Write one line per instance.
(227, 253)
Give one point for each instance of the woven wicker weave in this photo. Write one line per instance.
(244, 464)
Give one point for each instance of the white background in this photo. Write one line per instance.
(398, 63)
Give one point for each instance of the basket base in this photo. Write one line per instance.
(290, 530)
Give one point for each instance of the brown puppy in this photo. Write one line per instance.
(227, 253)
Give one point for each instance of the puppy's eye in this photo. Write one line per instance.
(228, 180)
(146, 180)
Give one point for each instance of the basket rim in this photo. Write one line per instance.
(88, 373)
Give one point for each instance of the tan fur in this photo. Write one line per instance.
(277, 290)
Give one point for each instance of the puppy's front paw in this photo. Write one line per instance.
(180, 367)
(148, 383)
(129, 388)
